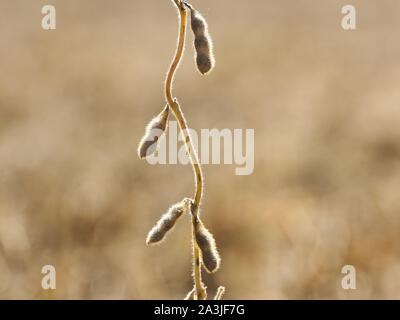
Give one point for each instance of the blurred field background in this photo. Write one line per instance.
(324, 104)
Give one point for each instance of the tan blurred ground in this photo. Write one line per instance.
(324, 104)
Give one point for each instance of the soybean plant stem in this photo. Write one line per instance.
(173, 103)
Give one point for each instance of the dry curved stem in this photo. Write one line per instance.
(173, 103)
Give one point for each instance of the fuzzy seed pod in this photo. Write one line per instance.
(166, 223)
(208, 248)
(190, 295)
(154, 130)
(202, 296)
(202, 42)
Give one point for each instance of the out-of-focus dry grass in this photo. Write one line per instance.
(324, 104)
